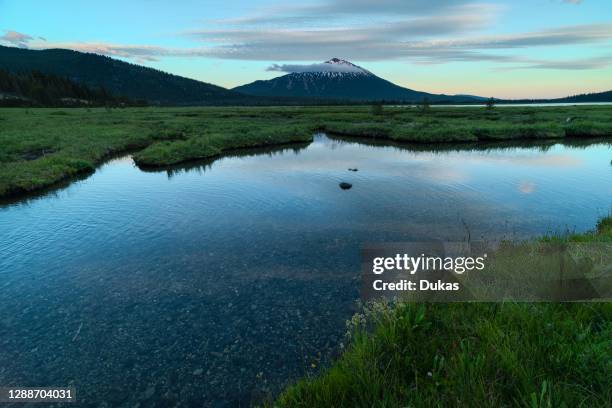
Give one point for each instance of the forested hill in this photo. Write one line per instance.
(590, 97)
(581, 98)
(117, 77)
(37, 89)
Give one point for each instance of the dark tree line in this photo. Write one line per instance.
(590, 97)
(34, 88)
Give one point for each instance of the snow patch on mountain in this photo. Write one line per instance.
(332, 66)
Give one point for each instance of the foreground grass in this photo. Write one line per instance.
(39, 147)
(424, 355)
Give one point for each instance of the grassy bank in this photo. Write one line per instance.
(424, 355)
(39, 147)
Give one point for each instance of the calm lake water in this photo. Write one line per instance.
(215, 284)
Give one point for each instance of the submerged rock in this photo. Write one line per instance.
(345, 186)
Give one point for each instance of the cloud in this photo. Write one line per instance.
(580, 64)
(335, 9)
(365, 29)
(135, 52)
(408, 28)
(417, 31)
(15, 38)
(138, 53)
(314, 68)
(569, 35)
(387, 6)
(392, 41)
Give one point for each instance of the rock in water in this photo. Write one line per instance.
(355, 169)
(345, 186)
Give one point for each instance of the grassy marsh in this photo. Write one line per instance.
(40, 147)
(478, 354)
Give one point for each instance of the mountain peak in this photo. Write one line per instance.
(342, 65)
(338, 61)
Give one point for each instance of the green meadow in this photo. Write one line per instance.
(471, 354)
(40, 147)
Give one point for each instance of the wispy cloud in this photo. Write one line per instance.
(369, 7)
(15, 38)
(313, 68)
(290, 14)
(140, 53)
(578, 64)
(391, 42)
(570, 35)
(419, 31)
(419, 27)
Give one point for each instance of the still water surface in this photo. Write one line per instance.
(215, 284)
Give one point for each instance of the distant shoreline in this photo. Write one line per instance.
(517, 104)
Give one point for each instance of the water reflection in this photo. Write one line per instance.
(201, 166)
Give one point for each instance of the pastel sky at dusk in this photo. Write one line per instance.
(501, 48)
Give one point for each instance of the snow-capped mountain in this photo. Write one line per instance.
(339, 79)
(337, 67)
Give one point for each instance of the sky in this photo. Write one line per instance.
(500, 48)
